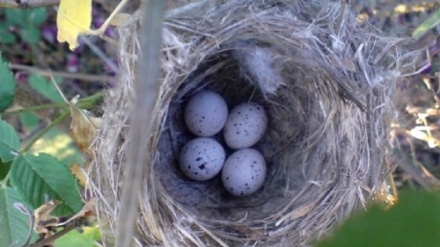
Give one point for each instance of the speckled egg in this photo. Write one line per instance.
(245, 126)
(244, 172)
(202, 158)
(206, 113)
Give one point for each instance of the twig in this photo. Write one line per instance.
(84, 103)
(107, 22)
(95, 49)
(146, 88)
(27, 3)
(51, 239)
(43, 72)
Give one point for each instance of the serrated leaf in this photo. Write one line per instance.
(7, 85)
(73, 18)
(14, 226)
(414, 221)
(41, 178)
(9, 142)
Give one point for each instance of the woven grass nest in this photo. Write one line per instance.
(327, 82)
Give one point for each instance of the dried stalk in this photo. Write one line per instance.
(142, 117)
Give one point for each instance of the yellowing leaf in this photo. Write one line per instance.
(83, 126)
(74, 17)
(79, 174)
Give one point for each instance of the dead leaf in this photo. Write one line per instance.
(85, 214)
(76, 170)
(43, 219)
(83, 126)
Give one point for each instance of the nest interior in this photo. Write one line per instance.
(327, 83)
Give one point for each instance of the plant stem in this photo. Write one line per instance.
(51, 239)
(146, 88)
(35, 108)
(83, 77)
(44, 131)
(85, 103)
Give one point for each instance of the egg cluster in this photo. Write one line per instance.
(206, 114)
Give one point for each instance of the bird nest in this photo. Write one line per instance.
(327, 83)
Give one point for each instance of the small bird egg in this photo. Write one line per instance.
(206, 113)
(244, 172)
(202, 158)
(245, 126)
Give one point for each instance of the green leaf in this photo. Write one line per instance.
(7, 85)
(29, 120)
(9, 142)
(414, 221)
(15, 16)
(30, 34)
(37, 16)
(4, 169)
(6, 37)
(14, 226)
(432, 21)
(45, 87)
(75, 238)
(42, 177)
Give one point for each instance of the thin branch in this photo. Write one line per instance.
(108, 21)
(146, 88)
(84, 103)
(98, 52)
(51, 239)
(34, 108)
(48, 73)
(27, 3)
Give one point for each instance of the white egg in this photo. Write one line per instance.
(245, 126)
(202, 158)
(244, 172)
(206, 113)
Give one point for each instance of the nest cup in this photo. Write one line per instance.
(327, 83)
